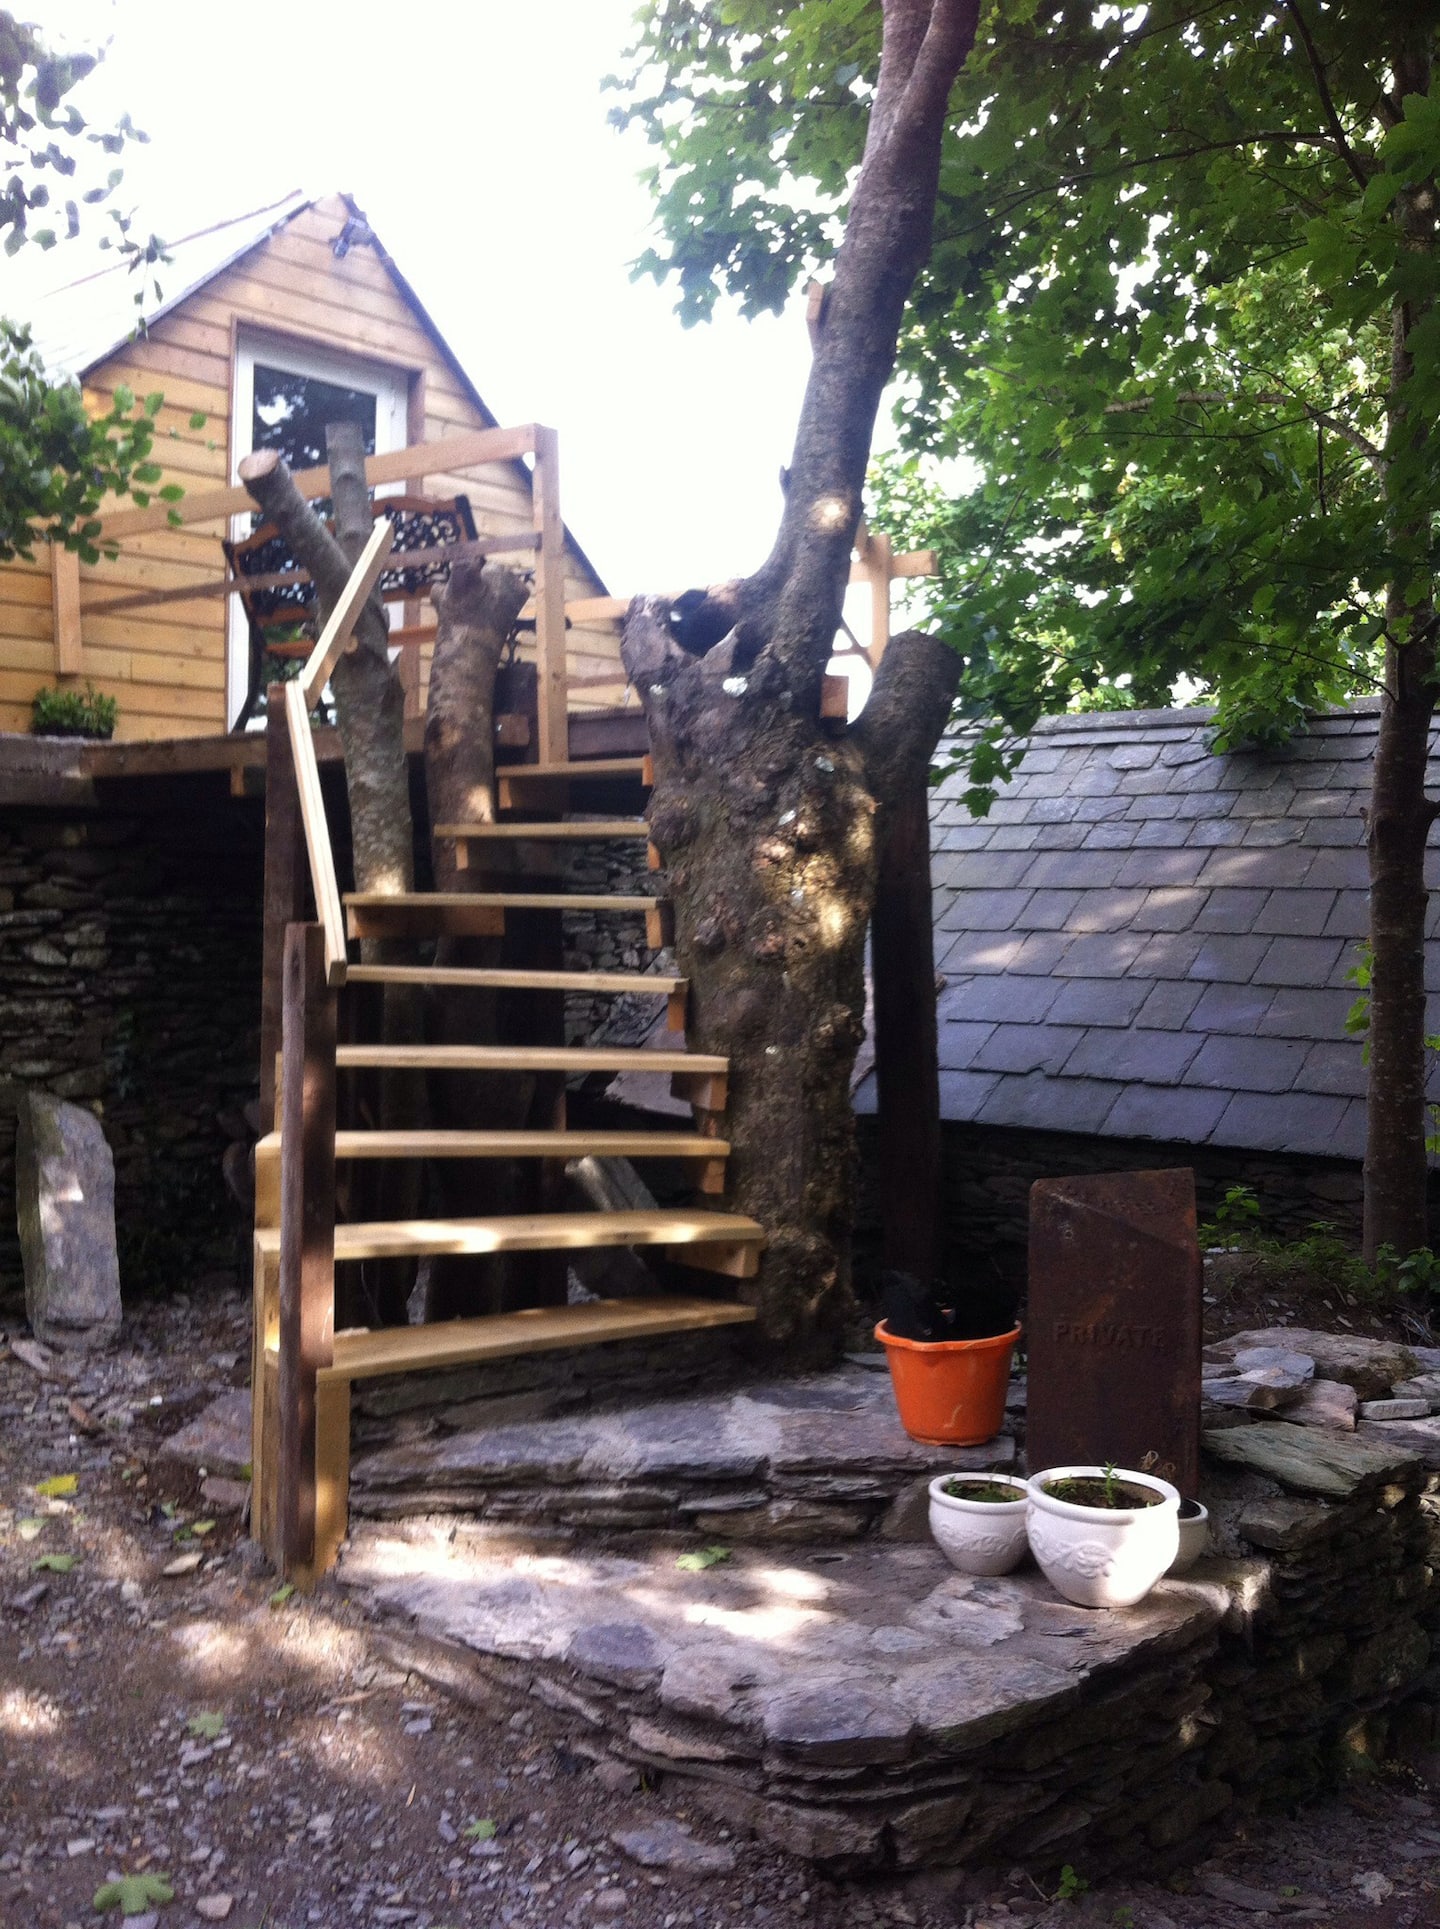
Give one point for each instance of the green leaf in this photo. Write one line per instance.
(198, 420)
(483, 1830)
(207, 1724)
(134, 1895)
(29, 1528)
(57, 1487)
(282, 1594)
(55, 1563)
(707, 1557)
(203, 1527)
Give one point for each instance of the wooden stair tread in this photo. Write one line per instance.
(524, 1058)
(361, 1355)
(517, 1145)
(598, 830)
(532, 1232)
(496, 900)
(482, 979)
(588, 767)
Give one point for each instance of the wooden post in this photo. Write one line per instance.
(907, 1074)
(878, 556)
(554, 724)
(65, 608)
(285, 887)
(307, 1231)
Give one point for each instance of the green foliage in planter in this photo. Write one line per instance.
(73, 713)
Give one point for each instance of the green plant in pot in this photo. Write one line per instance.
(73, 713)
(1103, 1535)
(978, 1520)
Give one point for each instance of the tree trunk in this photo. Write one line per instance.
(1396, 1205)
(476, 613)
(767, 817)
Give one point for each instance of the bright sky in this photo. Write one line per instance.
(473, 133)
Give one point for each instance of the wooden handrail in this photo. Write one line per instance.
(450, 453)
(336, 635)
(317, 831)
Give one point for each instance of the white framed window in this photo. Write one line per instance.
(284, 393)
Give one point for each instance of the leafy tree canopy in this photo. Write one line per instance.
(1154, 338)
(56, 461)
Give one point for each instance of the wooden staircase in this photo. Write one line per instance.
(302, 1367)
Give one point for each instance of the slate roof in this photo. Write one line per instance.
(1144, 940)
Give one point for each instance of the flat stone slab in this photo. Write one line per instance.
(1325, 1403)
(1309, 1460)
(785, 1460)
(218, 1439)
(1420, 1438)
(1395, 1409)
(1371, 1366)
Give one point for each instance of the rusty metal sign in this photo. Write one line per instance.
(1114, 1324)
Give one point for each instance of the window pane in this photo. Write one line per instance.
(291, 412)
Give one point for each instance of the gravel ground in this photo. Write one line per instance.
(264, 1757)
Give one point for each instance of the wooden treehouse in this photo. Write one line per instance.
(202, 628)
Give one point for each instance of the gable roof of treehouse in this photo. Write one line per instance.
(168, 667)
(1146, 941)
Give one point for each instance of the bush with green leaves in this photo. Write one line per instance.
(73, 713)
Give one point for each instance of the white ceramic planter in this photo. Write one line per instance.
(1194, 1538)
(980, 1536)
(1096, 1557)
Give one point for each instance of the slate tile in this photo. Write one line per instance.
(1100, 954)
(863, 1099)
(1040, 953)
(1163, 805)
(1041, 759)
(1296, 1122)
(1247, 1064)
(1295, 914)
(1014, 837)
(1333, 830)
(1064, 837)
(1094, 782)
(1299, 961)
(1037, 783)
(1148, 783)
(1348, 1139)
(1006, 1000)
(1148, 1057)
(980, 951)
(1161, 833)
(1028, 1048)
(1169, 1005)
(1206, 828)
(1334, 1065)
(984, 910)
(1171, 909)
(1133, 756)
(1082, 870)
(1099, 810)
(1271, 802)
(1111, 837)
(1231, 1009)
(1098, 1001)
(1312, 774)
(1169, 954)
(1340, 870)
(1112, 910)
(1230, 908)
(1295, 1012)
(1052, 810)
(1350, 916)
(959, 837)
(1191, 750)
(1049, 910)
(1229, 959)
(1179, 1117)
(1155, 868)
(1049, 1104)
(959, 1041)
(986, 870)
(1328, 803)
(963, 1093)
(1239, 867)
(1007, 809)
(1269, 833)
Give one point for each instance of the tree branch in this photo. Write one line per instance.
(1327, 99)
(908, 708)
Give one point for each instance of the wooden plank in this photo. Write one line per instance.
(464, 451)
(549, 598)
(481, 978)
(915, 562)
(284, 889)
(332, 1476)
(597, 830)
(317, 832)
(531, 1232)
(613, 609)
(306, 1237)
(362, 1355)
(543, 772)
(337, 635)
(530, 1058)
(419, 916)
(880, 558)
(501, 900)
(65, 603)
(907, 1075)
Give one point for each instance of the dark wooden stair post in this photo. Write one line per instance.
(907, 1068)
(286, 887)
(307, 1232)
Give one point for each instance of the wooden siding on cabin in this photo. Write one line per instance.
(165, 665)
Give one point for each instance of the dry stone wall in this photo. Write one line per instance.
(129, 982)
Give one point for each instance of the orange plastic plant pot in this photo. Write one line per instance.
(951, 1393)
